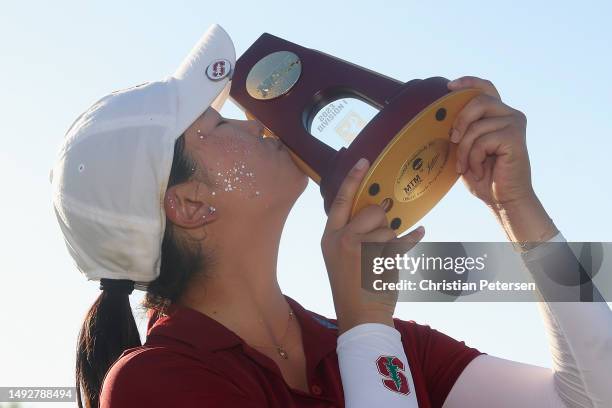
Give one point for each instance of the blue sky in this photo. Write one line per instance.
(549, 59)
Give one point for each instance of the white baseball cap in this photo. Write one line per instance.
(112, 169)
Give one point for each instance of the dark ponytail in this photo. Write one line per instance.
(109, 327)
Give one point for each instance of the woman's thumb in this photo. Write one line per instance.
(413, 236)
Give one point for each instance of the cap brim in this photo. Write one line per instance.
(196, 91)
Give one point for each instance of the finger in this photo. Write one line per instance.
(487, 167)
(406, 242)
(474, 82)
(491, 144)
(367, 220)
(478, 107)
(474, 131)
(413, 236)
(340, 209)
(384, 234)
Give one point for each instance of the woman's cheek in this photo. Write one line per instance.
(239, 178)
(235, 173)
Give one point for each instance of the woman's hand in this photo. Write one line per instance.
(492, 156)
(491, 147)
(341, 246)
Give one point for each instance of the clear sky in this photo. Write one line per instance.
(549, 59)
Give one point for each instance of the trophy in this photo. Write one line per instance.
(329, 113)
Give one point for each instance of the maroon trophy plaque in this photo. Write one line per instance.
(302, 96)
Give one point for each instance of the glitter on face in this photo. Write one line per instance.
(237, 176)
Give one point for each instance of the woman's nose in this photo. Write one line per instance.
(255, 127)
(251, 126)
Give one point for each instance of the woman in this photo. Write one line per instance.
(155, 190)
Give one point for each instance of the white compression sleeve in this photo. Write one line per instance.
(493, 382)
(580, 339)
(374, 368)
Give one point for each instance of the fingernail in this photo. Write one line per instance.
(458, 167)
(361, 164)
(420, 230)
(454, 136)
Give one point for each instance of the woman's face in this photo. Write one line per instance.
(246, 171)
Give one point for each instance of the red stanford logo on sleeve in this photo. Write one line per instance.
(392, 370)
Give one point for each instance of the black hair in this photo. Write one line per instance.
(109, 327)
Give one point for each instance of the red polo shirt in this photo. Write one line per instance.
(191, 360)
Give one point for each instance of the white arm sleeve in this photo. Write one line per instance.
(494, 382)
(374, 368)
(580, 340)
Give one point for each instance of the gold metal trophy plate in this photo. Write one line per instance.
(274, 75)
(417, 168)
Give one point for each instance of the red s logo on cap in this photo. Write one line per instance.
(218, 69)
